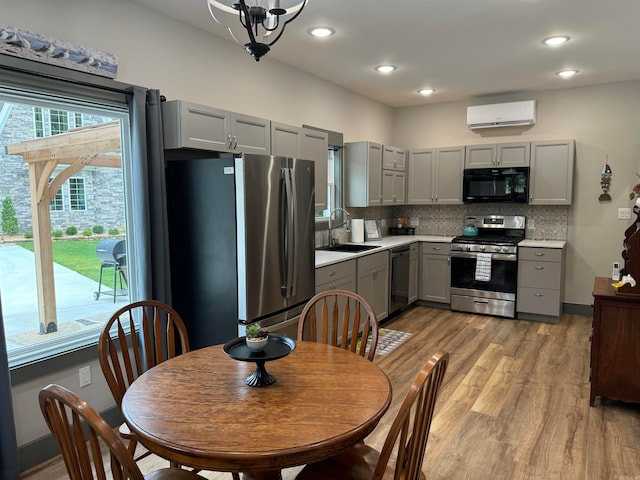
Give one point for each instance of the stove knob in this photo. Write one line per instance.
(468, 248)
(483, 248)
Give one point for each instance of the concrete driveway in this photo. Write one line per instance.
(75, 303)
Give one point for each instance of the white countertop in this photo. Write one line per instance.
(324, 257)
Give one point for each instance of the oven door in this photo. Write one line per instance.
(502, 280)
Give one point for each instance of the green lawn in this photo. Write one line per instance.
(79, 256)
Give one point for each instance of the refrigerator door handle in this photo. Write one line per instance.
(287, 234)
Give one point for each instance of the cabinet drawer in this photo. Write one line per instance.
(373, 260)
(539, 274)
(541, 301)
(436, 248)
(331, 273)
(541, 254)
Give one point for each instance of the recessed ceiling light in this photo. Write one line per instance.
(567, 73)
(426, 91)
(385, 68)
(321, 31)
(556, 40)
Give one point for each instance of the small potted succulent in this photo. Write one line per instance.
(256, 337)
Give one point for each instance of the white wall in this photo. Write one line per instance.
(602, 119)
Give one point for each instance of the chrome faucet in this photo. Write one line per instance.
(332, 240)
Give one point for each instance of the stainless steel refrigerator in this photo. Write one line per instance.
(241, 232)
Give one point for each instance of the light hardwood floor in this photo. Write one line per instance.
(514, 403)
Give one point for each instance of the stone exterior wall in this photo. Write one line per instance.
(104, 187)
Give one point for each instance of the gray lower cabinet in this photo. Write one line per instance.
(551, 175)
(414, 269)
(338, 276)
(435, 272)
(373, 282)
(540, 278)
(188, 125)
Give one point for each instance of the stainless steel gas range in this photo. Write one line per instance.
(484, 267)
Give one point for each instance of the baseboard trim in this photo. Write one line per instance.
(46, 448)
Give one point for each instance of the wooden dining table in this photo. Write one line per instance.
(197, 409)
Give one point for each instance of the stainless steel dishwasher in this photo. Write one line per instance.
(399, 278)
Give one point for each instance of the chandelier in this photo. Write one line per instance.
(263, 21)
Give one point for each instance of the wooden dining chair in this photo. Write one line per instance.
(86, 440)
(137, 337)
(407, 437)
(340, 318)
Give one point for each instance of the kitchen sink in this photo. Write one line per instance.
(346, 247)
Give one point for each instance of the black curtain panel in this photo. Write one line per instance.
(9, 468)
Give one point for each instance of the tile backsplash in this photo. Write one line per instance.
(543, 222)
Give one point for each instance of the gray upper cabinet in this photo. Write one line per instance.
(299, 142)
(314, 146)
(435, 176)
(514, 154)
(188, 125)
(393, 187)
(285, 140)
(363, 174)
(250, 134)
(551, 175)
(394, 158)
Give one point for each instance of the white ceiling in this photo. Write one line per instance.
(462, 48)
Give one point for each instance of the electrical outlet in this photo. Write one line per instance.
(84, 375)
(624, 214)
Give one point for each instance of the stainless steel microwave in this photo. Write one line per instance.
(498, 185)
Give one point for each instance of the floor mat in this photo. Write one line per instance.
(389, 340)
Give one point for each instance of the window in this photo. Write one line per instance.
(56, 203)
(53, 122)
(77, 200)
(88, 208)
(335, 198)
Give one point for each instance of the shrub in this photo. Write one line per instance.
(28, 234)
(9, 219)
(98, 229)
(87, 232)
(56, 233)
(71, 230)
(114, 231)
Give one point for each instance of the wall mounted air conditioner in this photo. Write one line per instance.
(502, 114)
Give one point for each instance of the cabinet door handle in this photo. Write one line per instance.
(436, 248)
(332, 274)
(229, 142)
(539, 268)
(538, 254)
(235, 142)
(538, 295)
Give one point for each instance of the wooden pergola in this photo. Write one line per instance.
(97, 146)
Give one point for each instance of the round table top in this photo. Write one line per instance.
(196, 408)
